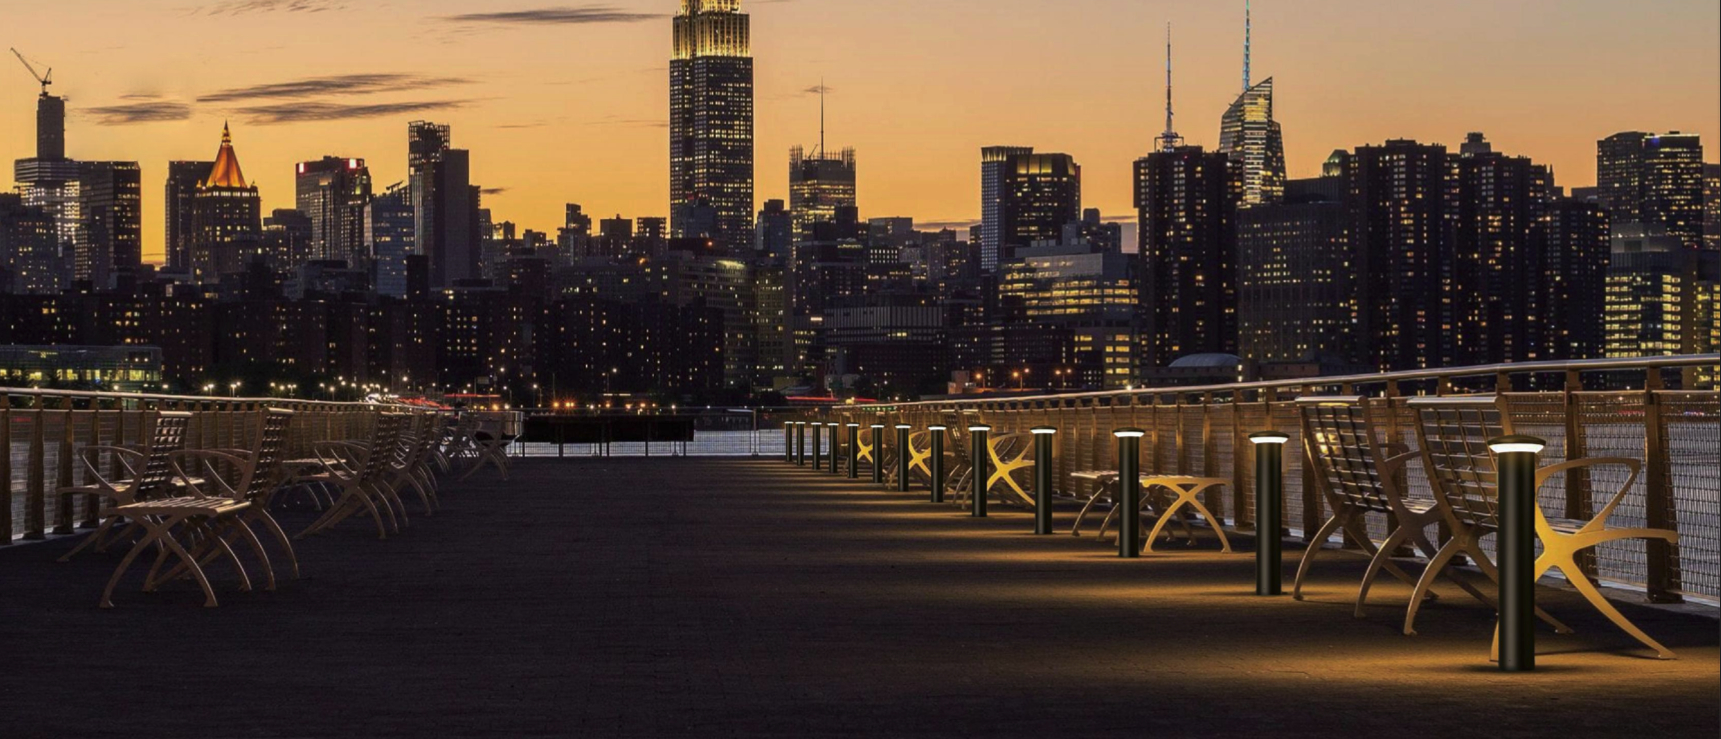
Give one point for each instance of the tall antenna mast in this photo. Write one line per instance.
(1248, 32)
(1169, 139)
(821, 116)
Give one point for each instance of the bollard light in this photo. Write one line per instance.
(1129, 492)
(1269, 511)
(878, 453)
(1516, 549)
(836, 441)
(1043, 436)
(854, 451)
(937, 460)
(902, 456)
(981, 468)
(818, 446)
(801, 443)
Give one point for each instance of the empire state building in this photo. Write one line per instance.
(711, 124)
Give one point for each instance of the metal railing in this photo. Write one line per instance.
(46, 432)
(1614, 407)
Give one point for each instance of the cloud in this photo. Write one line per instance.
(240, 7)
(939, 225)
(149, 110)
(818, 89)
(312, 111)
(561, 15)
(493, 191)
(346, 84)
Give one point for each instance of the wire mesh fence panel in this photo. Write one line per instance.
(1692, 423)
(1613, 426)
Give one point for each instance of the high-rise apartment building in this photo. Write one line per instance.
(711, 120)
(1712, 206)
(49, 182)
(425, 144)
(109, 241)
(1024, 197)
(29, 248)
(818, 185)
(774, 233)
(1396, 224)
(226, 218)
(333, 192)
(1653, 179)
(183, 177)
(445, 204)
(1571, 244)
(1494, 269)
(389, 238)
(1296, 287)
(1185, 201)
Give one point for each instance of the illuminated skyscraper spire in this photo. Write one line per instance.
(1248, 31)
(1169, 139)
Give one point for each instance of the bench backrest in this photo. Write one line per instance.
(1454, 435)
(1344, 452)
(167, 437)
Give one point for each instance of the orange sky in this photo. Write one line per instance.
(567, 103)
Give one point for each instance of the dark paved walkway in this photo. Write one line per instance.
(697, 598)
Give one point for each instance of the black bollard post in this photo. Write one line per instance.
(937, 462)
(1516, 545)
(818, 446)
(1043, 479)
(902, 457)
(981, 468)
(801, 443)
(836, 443)
(1269, 511)
(878, 453)
(854, 451)
(789, 442)
(1129, 492)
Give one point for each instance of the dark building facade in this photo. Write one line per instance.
(1396, 225)
(1571, 244)
(1655, 180)
(183, 177)
(333, 193)
(110, 240)
(1296, 287)
(711, 120)
(1493, 266)
(1024, 197)
(1186, 199)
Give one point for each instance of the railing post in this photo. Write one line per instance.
(937, 462)
(877, 453)
(818, 446)
(854, 451)
(980, 468)
(801, 443)
(1129, 492)
(1661, 561)
(1516, 553)
(1269, 510)
(902, 456)
(1043, 438)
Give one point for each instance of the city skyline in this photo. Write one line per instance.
(918, 116)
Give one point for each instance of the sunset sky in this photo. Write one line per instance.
(568, 103)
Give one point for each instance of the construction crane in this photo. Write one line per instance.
(46, 78)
